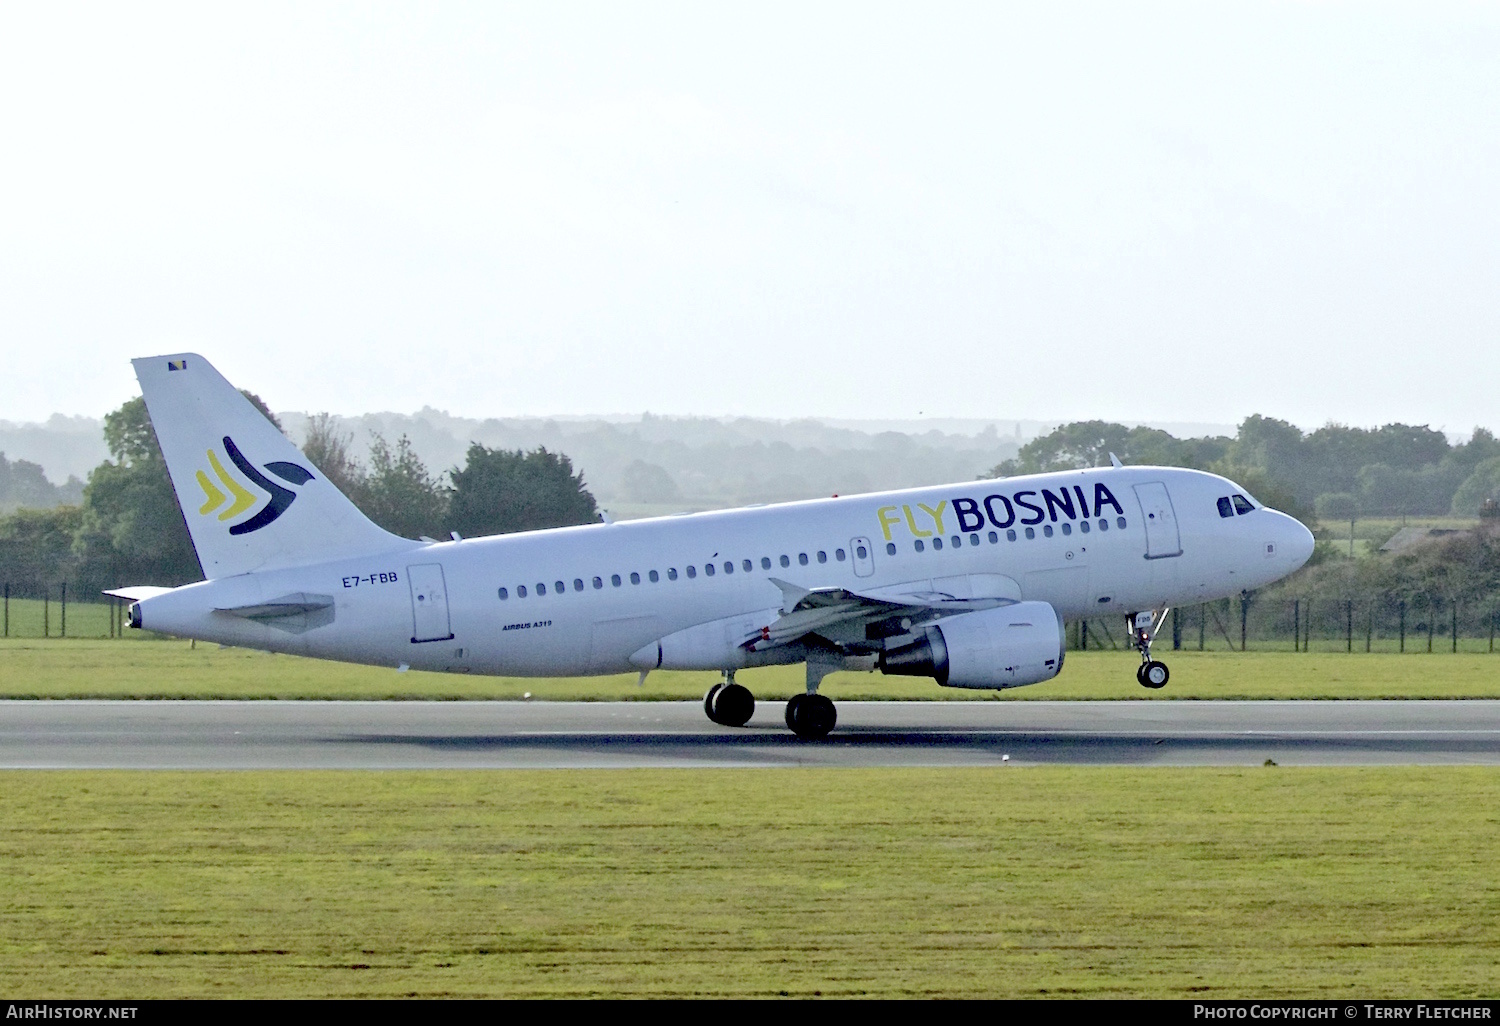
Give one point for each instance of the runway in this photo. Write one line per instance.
(517, 735)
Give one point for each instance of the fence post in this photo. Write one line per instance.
(1431, 616)
(1296, 625)
(7, 611)
(1492, 629)
(1455, 625)
(1176, 628)
(65, 609)
(1244, 617)
(46, 611)
(1083, 635)
(1202, 624)
(1369, 626)
(1349, 625)
(1402, 606)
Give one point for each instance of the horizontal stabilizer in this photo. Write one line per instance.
(137, 594)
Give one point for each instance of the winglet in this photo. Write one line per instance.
(1114, 461)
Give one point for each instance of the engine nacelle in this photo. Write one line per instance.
(1004, 647)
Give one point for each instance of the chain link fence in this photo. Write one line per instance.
(46, 610)
(1366, 623)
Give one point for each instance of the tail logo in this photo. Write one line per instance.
(243, 498)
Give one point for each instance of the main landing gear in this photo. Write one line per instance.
(810, 716)
(1143, 627)
(728, 703)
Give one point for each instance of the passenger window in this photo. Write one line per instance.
(1120, 523)
(671, 573)
(973, 539)
(1031, 532)
(937, 543)
(504, 594)
(541, 589)
(786, 561)
(729, 566)
(1242, 505)
(919, 545)
(578, 584)
(692, 572)
(994, 538)
(1010, 535)
(747, 566)
(708, 568)
(957, 542)
(614, 579)
(1103, 524)
(838, 554)
(861, 553)
(654, 577)
(890, 548)
(598, 582)
(520, 591)
(635, 578)
(560, 587)
(1083, 525)
(822, 556)
(765, 562)
(802, 558)
(1047, 530)
(1225, 508)
(1067, 528)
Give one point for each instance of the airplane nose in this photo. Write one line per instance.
(1297, 543)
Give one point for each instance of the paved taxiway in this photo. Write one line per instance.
(454, 735)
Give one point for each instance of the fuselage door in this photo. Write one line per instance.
(1162, 538)
(864, 557)
(429, 603)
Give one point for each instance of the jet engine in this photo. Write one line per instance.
(1004, 647)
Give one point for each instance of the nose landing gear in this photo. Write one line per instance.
(1143, 627)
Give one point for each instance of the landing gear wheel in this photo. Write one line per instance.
(811, 716)
(1153, 675)
(708, 702)
(732, 705)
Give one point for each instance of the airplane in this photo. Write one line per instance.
(969, 584)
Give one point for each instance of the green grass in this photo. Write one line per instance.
(176, 669)
(1220, 883)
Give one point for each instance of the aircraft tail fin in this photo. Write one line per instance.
(251, 500)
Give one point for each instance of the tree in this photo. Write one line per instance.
(399, 494)
(1483, 484)
(500, 491)
(329, 451)
(648, 482)
(36, 546)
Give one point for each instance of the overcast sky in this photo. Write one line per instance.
(1170, 213)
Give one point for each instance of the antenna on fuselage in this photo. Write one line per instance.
(1114, 461)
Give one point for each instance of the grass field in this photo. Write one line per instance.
(79, 668)
(986, 882)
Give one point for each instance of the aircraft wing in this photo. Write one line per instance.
(839, 614)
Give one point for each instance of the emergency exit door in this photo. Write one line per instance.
(1162, 537)
(864, 556)
(429, 603)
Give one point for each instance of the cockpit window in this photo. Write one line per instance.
(1225, 509)
(1242, 505)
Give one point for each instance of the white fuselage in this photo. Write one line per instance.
(583, 600)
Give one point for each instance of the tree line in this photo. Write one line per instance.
(127, 527)
(1390, 470)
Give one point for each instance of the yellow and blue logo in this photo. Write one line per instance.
(215, 497)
